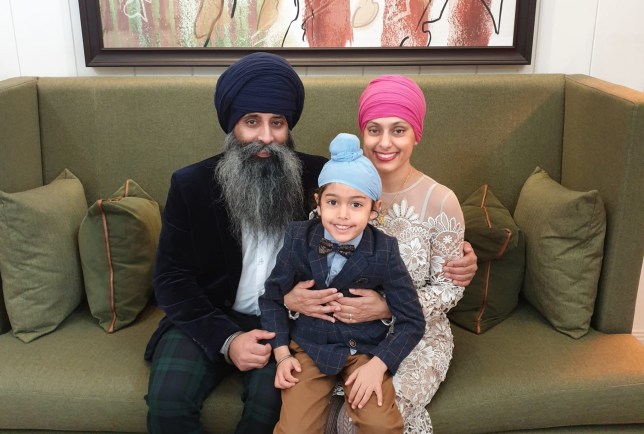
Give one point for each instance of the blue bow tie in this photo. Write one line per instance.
(327, 246)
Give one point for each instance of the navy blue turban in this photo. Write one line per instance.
(258, 83)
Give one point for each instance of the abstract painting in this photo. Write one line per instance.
(340, 28)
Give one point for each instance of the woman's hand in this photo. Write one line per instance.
(368, 306)
(315, 304)
(462, 270)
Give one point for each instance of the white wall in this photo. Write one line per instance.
(602, 38)
(638, 323)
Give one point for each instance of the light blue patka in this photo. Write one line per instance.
(350, 167)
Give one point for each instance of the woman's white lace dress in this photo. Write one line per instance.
(428, 222)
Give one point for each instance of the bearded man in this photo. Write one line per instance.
(223, 225)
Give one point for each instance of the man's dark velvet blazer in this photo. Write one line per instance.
(199, 261)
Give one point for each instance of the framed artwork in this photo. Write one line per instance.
(308, 32)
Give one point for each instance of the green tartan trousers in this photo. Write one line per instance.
(182, 377)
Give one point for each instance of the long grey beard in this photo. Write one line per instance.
(261, 195)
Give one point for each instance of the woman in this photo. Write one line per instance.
(426, 218)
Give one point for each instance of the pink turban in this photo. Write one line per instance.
(393, 96)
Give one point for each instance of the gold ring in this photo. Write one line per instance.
(350, 317)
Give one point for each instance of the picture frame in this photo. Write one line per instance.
(518, 53)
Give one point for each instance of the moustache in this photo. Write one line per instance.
(261, 150)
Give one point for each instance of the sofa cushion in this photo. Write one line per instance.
(39, 260)
(118, 240)
(565, 238)
(500, 248)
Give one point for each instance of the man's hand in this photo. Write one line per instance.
(368, 306)
(312, 303)
(247, 353)
(462, 270)
(366, 380)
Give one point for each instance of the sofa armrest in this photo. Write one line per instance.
(21, 163)
(20, 157)
(603, 149)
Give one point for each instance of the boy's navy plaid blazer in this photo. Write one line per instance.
(375, 264)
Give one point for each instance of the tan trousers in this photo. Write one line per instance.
(304, 406)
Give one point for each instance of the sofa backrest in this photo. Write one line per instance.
(487, 129)
(479, 129)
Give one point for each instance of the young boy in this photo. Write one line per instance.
(341, 250)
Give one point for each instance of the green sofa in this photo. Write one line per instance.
(481, 129)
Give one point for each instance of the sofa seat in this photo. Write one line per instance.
(523, 374)
(81, 378)
(509, 369)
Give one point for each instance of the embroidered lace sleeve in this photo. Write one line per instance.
(447, 231)
(428, 223)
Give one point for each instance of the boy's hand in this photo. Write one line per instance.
(367, 379)
(284, 379)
